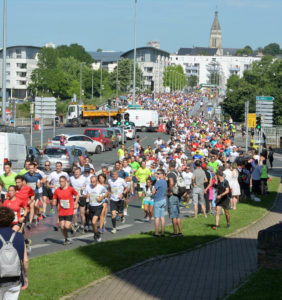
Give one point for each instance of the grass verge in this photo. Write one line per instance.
(264, 284)
(54, 275)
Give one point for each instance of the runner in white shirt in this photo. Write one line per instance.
(118, 189)
(95, 193)
(187, 176)
(78, 182)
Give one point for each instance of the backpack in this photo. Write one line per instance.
(10, 264)
(180, 186)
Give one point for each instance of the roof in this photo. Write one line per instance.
(19, 46)
(197, 51)
(146, 48)
(215, 24)
(230, 51)
(106, 56)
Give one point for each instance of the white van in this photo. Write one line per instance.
(12, 148)
(144, 120)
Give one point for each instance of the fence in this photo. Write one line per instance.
(25, 122)
(273, 136)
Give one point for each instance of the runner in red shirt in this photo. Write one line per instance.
(64, 195)
(18, 206)
(26, 194)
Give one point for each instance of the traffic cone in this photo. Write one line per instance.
(49, 142)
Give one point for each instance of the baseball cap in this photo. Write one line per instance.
(204, 165)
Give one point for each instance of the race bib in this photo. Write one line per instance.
(142, 184)
(65, 204)
(16, 220)
(32, 185)
(22, 211)
(93, 198)
(115, 190)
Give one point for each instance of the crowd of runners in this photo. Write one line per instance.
(199, 165)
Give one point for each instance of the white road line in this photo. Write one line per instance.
(40, 246)
(124, 226)
(140, 222)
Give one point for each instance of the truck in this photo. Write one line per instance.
(144, 120)
(85, 115)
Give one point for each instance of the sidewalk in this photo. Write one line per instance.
(209, 272)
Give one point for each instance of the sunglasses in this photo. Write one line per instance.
(47, 165)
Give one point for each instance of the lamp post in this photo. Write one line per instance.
(4, 62)
(101, 80)
(134, 55)
(92, 84)
(80, 86)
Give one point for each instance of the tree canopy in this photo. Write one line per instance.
(263, 78)
(174, 77)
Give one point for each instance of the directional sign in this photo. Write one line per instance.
(45, 107)
(267, 98)
(252, 120)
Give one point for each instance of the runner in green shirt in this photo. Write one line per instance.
(7, 179)
(26, 167)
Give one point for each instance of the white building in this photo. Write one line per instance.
(21, 61)
(204, 66)
(152, 62)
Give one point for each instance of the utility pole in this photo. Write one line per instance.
(92, 87)
(134, 67)
(247, 123)
(117, 81)
(4, 58)
(101, 81)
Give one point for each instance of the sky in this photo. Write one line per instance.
(109, 24)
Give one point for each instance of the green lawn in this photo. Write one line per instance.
(54, 275)
(266, 284)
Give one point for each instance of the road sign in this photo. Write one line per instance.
(267, 98)
(252, 120)
(45, 107)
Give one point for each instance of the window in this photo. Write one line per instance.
(55, 152)
(77, 152)
(108, 134)
(86, 139)
(73, 138)
(93, 133)
(56, 138)
(22, 66)
(21, 74)
(8, 65)
(18, 53)
(8, 73)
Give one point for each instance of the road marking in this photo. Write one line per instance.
(140, 222)
(40, 246)
(124, 226)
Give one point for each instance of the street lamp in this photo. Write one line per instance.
(134, 56)
(92, 86)
(4, 62)
(101, 80)
(80, 87)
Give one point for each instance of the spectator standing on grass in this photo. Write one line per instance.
(270, 157)
(14, 278)
(159, 192)
(199, 178)
(174, 200)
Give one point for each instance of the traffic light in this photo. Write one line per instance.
(119, 123)
(126, 119)
(258, 122)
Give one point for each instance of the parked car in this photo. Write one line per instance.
(81, 141)
(12, 148)
(64, 154)
(33, 153)
(129, 132)
(102, 135)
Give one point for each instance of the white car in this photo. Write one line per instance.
(81, 141)
(129, 132)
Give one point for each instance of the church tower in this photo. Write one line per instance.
(215, 35)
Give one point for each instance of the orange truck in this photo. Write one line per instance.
(85, 115)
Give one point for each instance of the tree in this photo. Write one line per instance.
(174, 77)
(125, 71)
(263, 78)
(247, 51)
(192, 81)
(271, 49)
(76, 51)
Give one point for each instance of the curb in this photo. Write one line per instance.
(165, 256)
